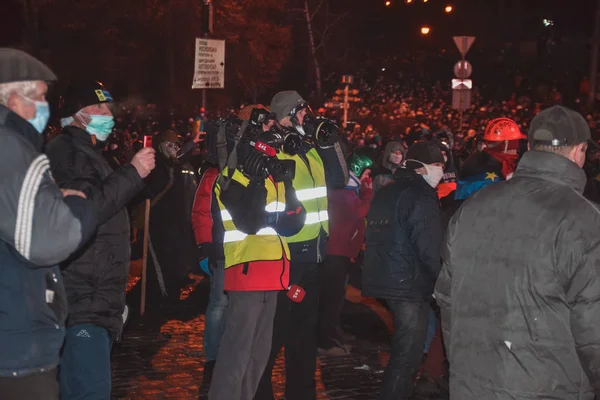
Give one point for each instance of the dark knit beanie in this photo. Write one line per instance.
(425, 152)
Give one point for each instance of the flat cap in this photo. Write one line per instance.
(18, 66)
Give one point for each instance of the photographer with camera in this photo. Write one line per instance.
(259, 209)
(320, 165)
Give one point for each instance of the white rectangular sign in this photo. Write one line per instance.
(209, 67)
(462, 84)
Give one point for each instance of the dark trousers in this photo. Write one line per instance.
(39, 386)
(85, 363)
(334, 275)
(296, 329)
(410, 330)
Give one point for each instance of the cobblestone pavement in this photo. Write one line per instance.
(161, 354)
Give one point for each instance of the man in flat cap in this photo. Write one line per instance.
(519, 289)
(40, 226)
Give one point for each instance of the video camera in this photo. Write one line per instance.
(322, 130)
(256, 151)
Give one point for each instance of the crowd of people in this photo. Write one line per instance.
(486, 226)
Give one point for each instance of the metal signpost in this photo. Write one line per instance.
(461, 87)
(343, 98)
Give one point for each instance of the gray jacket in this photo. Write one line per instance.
(38, 229)
(520, 287)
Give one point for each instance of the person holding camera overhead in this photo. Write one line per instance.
(259, 209)
(320, 165)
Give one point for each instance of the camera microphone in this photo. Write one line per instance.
(264, 148)
(296, 293)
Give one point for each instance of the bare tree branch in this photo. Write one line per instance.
(333, 23)
(317, 9)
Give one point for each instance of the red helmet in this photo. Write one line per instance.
(501, 129)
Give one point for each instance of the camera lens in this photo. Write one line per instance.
(292, 144)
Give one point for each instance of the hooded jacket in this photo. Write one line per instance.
(384, 175)
(519, 288)
(38, 229)
(96, 276)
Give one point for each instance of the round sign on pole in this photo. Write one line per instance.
(463, 69)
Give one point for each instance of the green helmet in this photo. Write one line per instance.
(359, 163)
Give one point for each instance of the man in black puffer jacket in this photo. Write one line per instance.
(519, 289)
(96, 277)
(402, 259)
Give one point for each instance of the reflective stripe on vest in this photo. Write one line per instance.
(238, 236)
(275, 206)
(311, 194)
(317, 217)
(266, 245)
(311, 191)
(271, 207)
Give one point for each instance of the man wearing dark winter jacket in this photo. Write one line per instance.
(402, 259)
(39, 227)
(96, 277)
(519, 289)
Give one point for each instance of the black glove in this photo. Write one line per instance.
(255, 166)
(206, 250)
(282, 170)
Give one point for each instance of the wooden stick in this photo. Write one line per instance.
(145, 255)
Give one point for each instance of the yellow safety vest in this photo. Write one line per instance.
(266, 244)
(311, 190)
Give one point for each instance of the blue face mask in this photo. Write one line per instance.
(100, 126)
(42, 115)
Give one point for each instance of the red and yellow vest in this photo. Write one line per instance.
(266, 245)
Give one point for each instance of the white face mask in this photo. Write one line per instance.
(434, 174)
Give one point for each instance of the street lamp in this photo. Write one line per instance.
(425, 30)
(408, 1)
(448, 9)
(388, 3)
(547, 22)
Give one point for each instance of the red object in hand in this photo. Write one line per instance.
(147, 141)
(296, 293)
